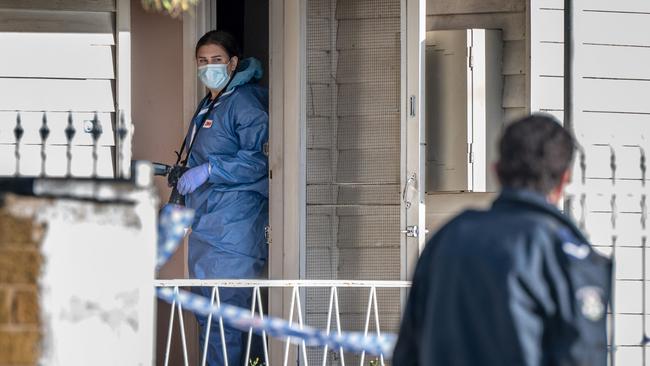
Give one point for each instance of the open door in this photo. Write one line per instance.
(413, 134)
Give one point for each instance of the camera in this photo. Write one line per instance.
(173, 174)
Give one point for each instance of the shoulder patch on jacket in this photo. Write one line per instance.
(572, 246)
(579, 251)
(590, 300)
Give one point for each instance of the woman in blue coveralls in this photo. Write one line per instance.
(227, 183)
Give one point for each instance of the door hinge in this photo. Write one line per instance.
(470, 58)
(267, 234)
(411, 231)
(470, 153)
(412, 106)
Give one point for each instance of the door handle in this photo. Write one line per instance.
(410, 183)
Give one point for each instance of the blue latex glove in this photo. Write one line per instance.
(193, 178)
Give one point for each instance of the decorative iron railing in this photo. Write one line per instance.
(77, 172)
(296, 313)
(93, 127)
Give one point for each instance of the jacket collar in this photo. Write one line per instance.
(249, 70)
(536, 202)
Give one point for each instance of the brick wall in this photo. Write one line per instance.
(20, 263)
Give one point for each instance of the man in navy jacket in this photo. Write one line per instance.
(515, 285)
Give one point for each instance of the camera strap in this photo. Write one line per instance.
(196, 129)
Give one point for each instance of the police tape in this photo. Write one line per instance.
(243, 319)
(172, 224)
(173, 220)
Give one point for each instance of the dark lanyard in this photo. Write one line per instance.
(200, 126)
(194, 127)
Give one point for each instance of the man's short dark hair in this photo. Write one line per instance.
(534, 153)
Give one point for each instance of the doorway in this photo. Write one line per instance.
(248, 21)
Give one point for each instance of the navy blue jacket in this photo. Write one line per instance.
(515, 285)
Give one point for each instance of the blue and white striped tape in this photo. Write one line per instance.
(243, 320)
(173, 222)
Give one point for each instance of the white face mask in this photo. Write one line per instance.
(214, 76)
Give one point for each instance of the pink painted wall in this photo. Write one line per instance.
(157, 89)
(157, 82)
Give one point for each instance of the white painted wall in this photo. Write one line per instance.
(69, 55)
(611, 43)
(96, 287)
(547, 57)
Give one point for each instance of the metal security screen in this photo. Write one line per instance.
(353, 157)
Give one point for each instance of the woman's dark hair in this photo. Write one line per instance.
(221, 38)
(534, 154)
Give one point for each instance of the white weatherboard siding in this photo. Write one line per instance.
(61, 56)
(509, 16)
(38, 94)
(24, 56)
(547, 56)
(611, 113)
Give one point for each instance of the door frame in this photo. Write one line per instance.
(287, 153)
(195, 24)
(413, 138)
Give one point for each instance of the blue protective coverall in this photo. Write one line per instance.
(516, 285)
(231, 208)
